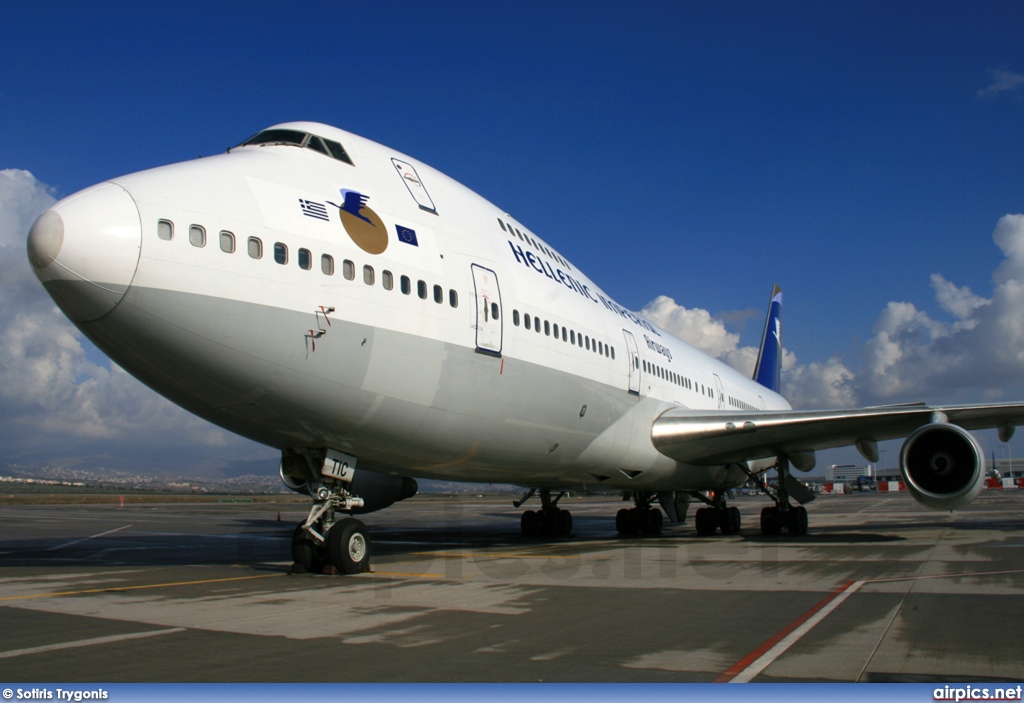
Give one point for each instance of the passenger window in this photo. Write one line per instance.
(348, 269)
(406, 285)
(572, 336)
(255, 248)
(368, 275)
(438, 295)
(227, 242)
(197, 236)
(421, 289)
(305, 259)
(280, 253)
(565, 337)
(515, 316)
(387, 279)
(547, 328)
(327, 264)
(526, 320)
(555, 330)
(453, 298)
(588, 342)
(165, 230)
(494, 311)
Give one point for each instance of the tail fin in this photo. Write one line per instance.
(768, 371)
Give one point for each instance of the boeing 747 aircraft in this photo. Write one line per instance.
(378, 322)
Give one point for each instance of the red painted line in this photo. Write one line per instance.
(746, 661)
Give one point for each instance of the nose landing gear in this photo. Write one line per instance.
(323, 539)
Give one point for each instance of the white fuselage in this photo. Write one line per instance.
(465, 349)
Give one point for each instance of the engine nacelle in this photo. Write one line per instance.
(943, 466)
(378, 491)
(294, 484)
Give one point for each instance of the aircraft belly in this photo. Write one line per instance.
(401, 401)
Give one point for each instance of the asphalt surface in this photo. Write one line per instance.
(881, 589)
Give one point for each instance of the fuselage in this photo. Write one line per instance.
(303, 296)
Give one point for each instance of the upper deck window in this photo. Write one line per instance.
(293, 137)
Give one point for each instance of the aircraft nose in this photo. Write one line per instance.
(85, 250)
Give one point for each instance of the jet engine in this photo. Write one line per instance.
(943, 466)
(293, 484)
(377, 490)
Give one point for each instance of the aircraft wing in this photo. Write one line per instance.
(722, 437)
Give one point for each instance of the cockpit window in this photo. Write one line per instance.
(316, 144)
(293, 137)
(277, 136)
(337, 151)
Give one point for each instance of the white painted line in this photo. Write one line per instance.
(102, 534)
(762, 662)
(87, 643)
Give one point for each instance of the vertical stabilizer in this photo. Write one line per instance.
(768, 370)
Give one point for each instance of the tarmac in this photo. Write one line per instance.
(881, 589)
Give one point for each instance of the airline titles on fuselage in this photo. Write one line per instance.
(657, 348)
(538, 264)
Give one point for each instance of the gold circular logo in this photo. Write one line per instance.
(363, 225)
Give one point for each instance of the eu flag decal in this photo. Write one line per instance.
(406, 235)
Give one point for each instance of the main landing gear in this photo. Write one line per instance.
(549, 521)
(784, 515)
(642, 519)
(718, 516)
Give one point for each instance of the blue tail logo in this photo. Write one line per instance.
(768, 371)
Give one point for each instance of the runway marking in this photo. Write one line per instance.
(87, 643)
(85, 539)
(497, 555)
(757, 661)
(946, 576)
(116, 589)
(405, 574)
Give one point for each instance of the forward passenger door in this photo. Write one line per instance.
(488, 310)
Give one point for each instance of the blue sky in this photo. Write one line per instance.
(701, 151)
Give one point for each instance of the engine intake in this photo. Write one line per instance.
(290, 482)
(943, 466)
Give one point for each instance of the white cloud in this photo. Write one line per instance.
(1002, 82)
(693, 325)
(814, 385)
(980, 353)
(52, 397)
(976, 355)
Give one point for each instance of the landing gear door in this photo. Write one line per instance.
(634, 363)
(488, 310)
